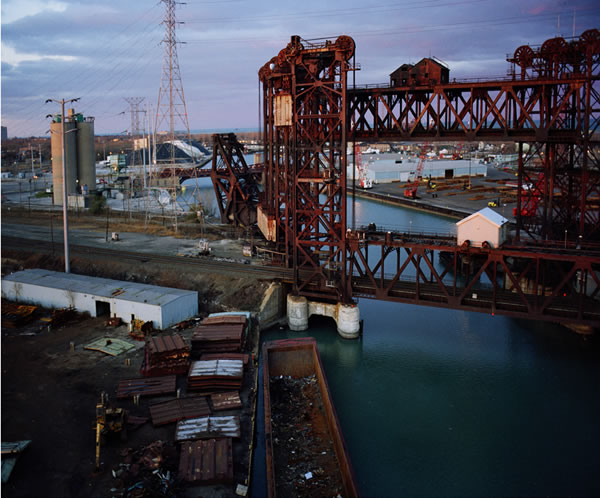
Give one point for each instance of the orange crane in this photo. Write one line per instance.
(411, 191)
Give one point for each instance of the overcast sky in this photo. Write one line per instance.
(105, 51)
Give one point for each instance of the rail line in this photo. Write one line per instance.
(204, 265)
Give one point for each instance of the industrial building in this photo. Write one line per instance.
(164, 306)
(400, 168)
(485, 226)
(80, 154)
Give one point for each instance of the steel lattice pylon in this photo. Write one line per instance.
(171, 99)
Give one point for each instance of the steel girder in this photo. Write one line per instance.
(559, 284)
(235, 184)
(305, 159)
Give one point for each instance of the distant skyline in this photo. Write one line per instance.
(103, 52)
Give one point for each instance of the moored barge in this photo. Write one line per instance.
(305, 449)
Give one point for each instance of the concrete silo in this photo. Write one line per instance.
(86, 153)
(80, 154)
(70, 155)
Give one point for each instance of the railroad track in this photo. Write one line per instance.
(206, 265)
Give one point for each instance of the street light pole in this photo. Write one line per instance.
(64, 175)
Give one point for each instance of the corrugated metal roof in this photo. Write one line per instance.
(207, 427)
(102, 287)
(489, 214)
(226, 368)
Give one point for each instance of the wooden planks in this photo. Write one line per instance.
(209, 461)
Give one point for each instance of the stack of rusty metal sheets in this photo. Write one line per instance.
(129, 388)
(166, 354)
(216, 375)
(226, 356)
(178, 409)
(209, 461)
(225, 320)
(218, 338)
(225, 401)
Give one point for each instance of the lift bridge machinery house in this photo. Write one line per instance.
(551, 100)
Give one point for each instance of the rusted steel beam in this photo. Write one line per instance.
(235, 184)
(544, 282)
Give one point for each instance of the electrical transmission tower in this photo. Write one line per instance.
(171, 100)
(134, 108)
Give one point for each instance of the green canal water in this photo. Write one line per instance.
(436, 402)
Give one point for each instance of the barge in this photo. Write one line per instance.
(305, 450)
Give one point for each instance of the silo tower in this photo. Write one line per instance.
(80, 160)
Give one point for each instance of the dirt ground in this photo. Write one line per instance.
(49, 394)
(49, 391)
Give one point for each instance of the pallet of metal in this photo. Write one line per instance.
(218, 338)
(147, 386)
(215, 375)
(208, 461)
(226, 356)
(178, 409)
(166, 354)
(297, 403)
(208, 427)
(225, 401)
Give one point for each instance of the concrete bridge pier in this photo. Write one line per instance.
(346, 316)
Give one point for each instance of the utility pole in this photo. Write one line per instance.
(62, 103)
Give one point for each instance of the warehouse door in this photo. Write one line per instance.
(102, 308)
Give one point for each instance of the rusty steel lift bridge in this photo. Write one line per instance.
(550, 270)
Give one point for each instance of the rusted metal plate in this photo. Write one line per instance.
(226, 401)
(178, 409)
(165, 355)
(167, 344)
(225, 356)
(218, 338)
(224, 319)
(208, 461)
(207, 427)
(147, 386)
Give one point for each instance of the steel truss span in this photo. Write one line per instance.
(546, 283)
(549, 105)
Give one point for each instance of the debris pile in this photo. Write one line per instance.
(305, 460)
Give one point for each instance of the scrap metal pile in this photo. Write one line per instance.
(206, 440)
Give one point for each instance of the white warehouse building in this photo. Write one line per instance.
(164, 306)
(401, 169)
